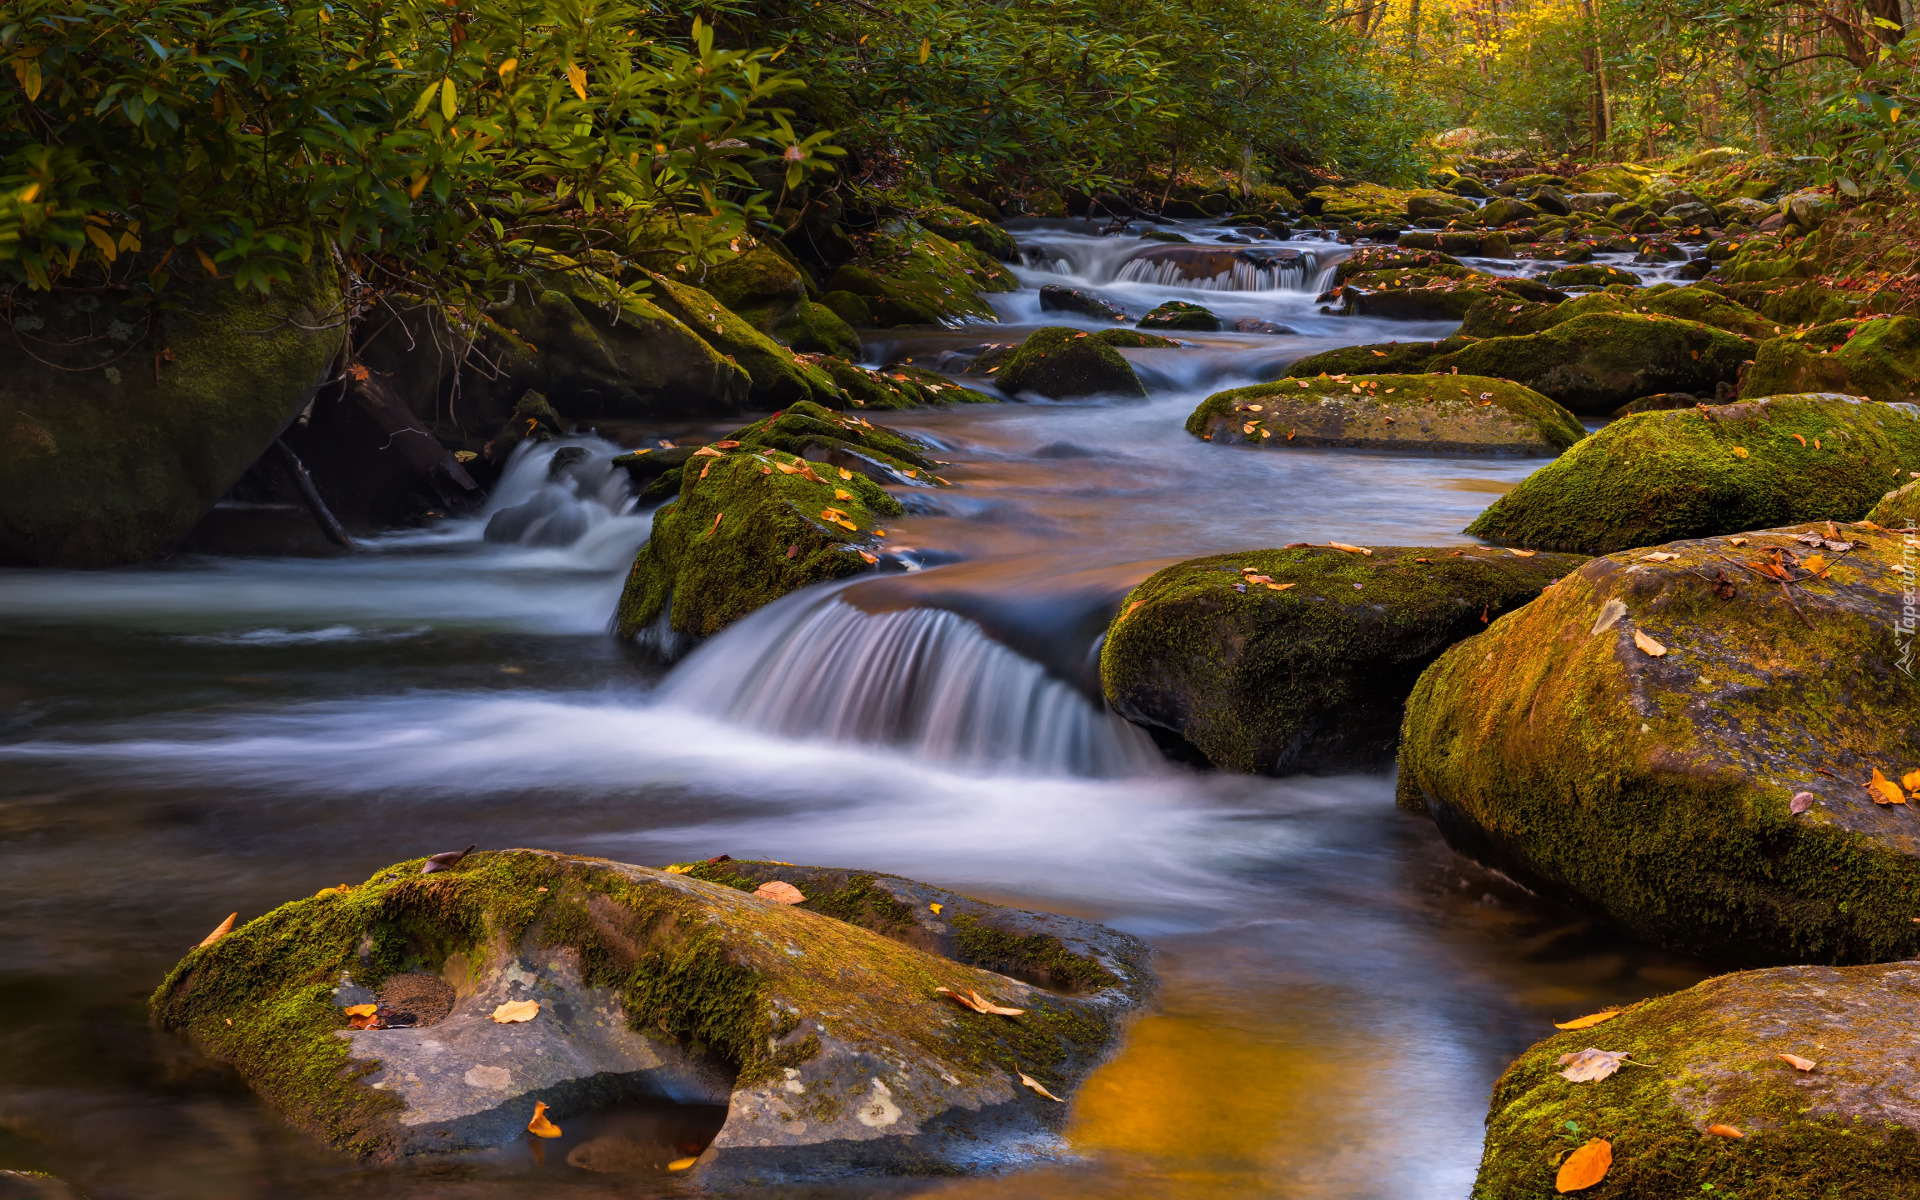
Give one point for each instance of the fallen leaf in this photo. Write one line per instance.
(1801, 802)
(870, 558)
(1278, 587)
(681, 1164)
(726, 445)
(842, 494)
(978, 1003)
(361, 1010)
(1351, 549)
(1798, 1063)
(444, 862)
(845, 474)
(1884, 790)
(785, 469)
(515, 1011)
(1584, 1167)
(936, 906)
(1798, 438)
(681, 868)
(1591, 1065)
(715, 527)
(1588, 1022)
(1725, 1131)
(1739, 451)
(1658, 556)
(1423, 560)
(1259, 579)
(540, 1126)
(1652, 648)
(708, 452)
(1815, 563)
(1737, 541)
(1130, 608)
(1522, 553)
(778, 892)
(219, 931)
(1911, 781)
(1033, 1083)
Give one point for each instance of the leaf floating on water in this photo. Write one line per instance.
(1884, 790)
(1798, 1063)
(979, 1004)
(1584, 1167)
(1033, 1083)
(778, 892)
(219, 931)
(1351, 549)
(1591, 1065)
(1801, 802)
(515, 1011)
(681, 1164)
(1588, 1022)
(1647, 645)
(540, 1126)
(1725, 1131)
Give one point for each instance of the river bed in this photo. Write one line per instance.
(211, 734)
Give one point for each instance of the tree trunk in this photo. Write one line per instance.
(1413, 31)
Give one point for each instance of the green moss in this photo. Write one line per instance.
(1597, 362)
(1035, 955)
(1657, 476)
(1384, 358)
(1590, 275)
(910, 276)
(1307, 678)
(1062, 363)
(778, 376)
(1180, 315)
(968, 229)
(808, 428)
(1498, 317)
(1133, 339)
(1655, 790)
(1389, 258)
(1877, 358)
(1898, 509)
(1431, 413)
(816, 329)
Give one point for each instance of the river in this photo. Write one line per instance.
(211, 734)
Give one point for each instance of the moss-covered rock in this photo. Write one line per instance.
(1656, 789)
(957, 225)
(654, 982)
(1436, 293)
(910, 276)
(1657, 476)
(1385, 358)
(1460, 414)
(816, 329)
(1591, 275)
(1898, 509)
(761, 283)
(1597, 362)
(844, 440)
(776, 375)
(897, 387)
(127, 423)
(1391, 258)
(1181, 315)
(1133, 339)
(1880, 359)
(1505, 211)
(1056, 297)
(1064, 363)
(1273, 661)
(1496, 317)
(1711, 1056)
(1357, 202)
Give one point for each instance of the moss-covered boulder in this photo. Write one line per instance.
(1445, 414)
(844, 440)
(1275, 661)
(1591, 275)
(1386, 358)
(1437, 293)
(818, 1025)
(761, 283)
(1898, 509)
(1181, 315)
(1505, 211)
(1657, 476)
(1673, 739)
(1595, 363)
(1712, 1055)
(910, 276)
(1133, 339)
(1055, 297)
(776, 375)
(968, 229)
(1393, 258)
(126, 422)
(897, 387)
(1880, 359)
(1063, 364)
(1496, 317)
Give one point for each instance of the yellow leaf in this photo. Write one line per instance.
(101, 240)
(1351, 549)
(449, 101)
(681, 1164)
(219, 931)
(206, 264)
(515, 1011)
(1884, 790)
(1647, 645)
(936, 907)
(419, 185)
(1911, 781)
(1739, 451)
(709, 452)
(779, 893)
(1737, 541)
(29, 192)
(842, 494)
(1798, 1063)
(681, 868)
(506, 68)
(1817, 563)
(540, 1126)
(926, 48)
(845, 474)
(361, 1010)
(1584, 1167)
(1588, 1022)
(1725, 1131)
(1033, 1083)
(1278, 587)
(578, 78)
(30, 80)
(1522, 553)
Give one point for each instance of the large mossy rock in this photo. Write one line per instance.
(1657, 476)
(1392, 358)
(1448, 414)
(1064, 364)
(1711, 1056)
(1595, 363)
(1898, 509)
(1180, 315)
(1495, 318)
(1658, 789)
(1438, 293)
(1275, 661)
(817, 1025)
(1880, 360)
(970, 229)
(126, 423)
(910, 276)
(776, 375)
(769, 291)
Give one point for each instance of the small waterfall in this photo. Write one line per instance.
(920, 679)
(1244, 275)
(557, 493)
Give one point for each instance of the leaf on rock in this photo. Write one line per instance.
(1740, 451)
(978, 1003)
(779, 893)
(845, 474)
(1584, 1167)
(1033, 1083)
(842, 494)
(1801, 802)
(1522, 553)
(1588, 1022)
(540, 1126)
(1911, 781)
(1725, 1131)
(1591, 1065)
(1738, 541)
(936, 906)
(681, 1164)
(681, 868)
(708, 452)
(1351, 549)
(219, 931)
(515, 1011)
(1884, 790)
(1658, 556)
(361, 1010)
(1278, 587)
(1130, 608)
(1647, 645)
(1798, 1063)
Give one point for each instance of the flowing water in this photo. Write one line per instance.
(1339, 992)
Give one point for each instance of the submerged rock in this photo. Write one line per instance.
(1656, 476)
(1636, 743)
(1062, 364)
(1426, 413)
(1274, 661)
(1711, 1055)
(1181, 315)
(818, 1025)
(1597, 362)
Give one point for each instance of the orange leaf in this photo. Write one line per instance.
(845, 474)
(779, 893)
(1522, 553)
(1725, 1131)
(224, 928)
(515, 1011)
(540, 1126)
(1351, 549)
(1884, 790)
(1911, 781)
(681, 1164)
(1130, 608)
(361, 1010)
(1584, 1167)
(1278, 587)
(708, 452)
(1588, 1022)
(1798, 1063)
(1650, 647)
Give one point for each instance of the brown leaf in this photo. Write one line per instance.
(1798, 1063)
(540, 1126)
(979, 1004)
(1591, 1065)
(1801, 802)
(219, 931)
(444, 861)
(709, 452)
(726, 445)
(1033, 1083)
(515, 1011)
(1584, 1167)
(1647, 645)
(779, 893)
(1884, 790)
(1588, 1022)
(1725, 1131)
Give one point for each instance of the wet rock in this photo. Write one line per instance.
(1249, 269)
(1376, 358)
(1256, 325)
(913, 277)
(1690, 214)
(1597, 362)
(1505, 211)
(1133, 339)
(649, 466)
(1489, 244)
(1435, 204)
(1658, 403)
(969, 229)
(1593, 202)
(1057, 298)
(1181, 315)
(1658, 790)
(1550, 199)
(1879, 358)
(1719, 469)
(1898, 509)
(1163, 235)
(817, 1025)
(1309, 677)
(1369, 259)
(1591, 275)
(1494, 317)
(1434, 293)
(138, 419)
(898, 386)
(1443, 414)
(1063, 364)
